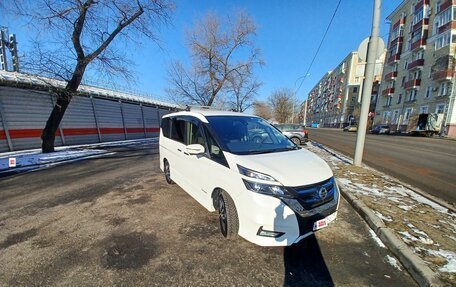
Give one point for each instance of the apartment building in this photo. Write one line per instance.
(418, 77)
(335, 100)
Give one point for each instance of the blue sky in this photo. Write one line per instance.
(288, 35)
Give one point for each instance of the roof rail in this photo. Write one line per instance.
(194, 107)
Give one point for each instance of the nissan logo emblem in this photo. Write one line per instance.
(322, 193)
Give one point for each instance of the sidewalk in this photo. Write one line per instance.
(28, 160)
(420, 232)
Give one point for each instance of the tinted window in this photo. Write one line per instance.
(195, 134)
(248, 135)
(178, 130)
(166, 127)
(215, 151)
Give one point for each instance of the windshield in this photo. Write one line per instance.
(249, 135)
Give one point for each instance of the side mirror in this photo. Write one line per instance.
(195, 149)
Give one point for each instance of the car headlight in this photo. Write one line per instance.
(255, 174)
(268, 189)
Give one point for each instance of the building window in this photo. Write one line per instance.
(428, 92)
(399, 99)
(386, 116)
(388, 100)
(424, 109)
(445, 17)
(412, 96)
(403, 81)
(437, 6)
(408, 45)
(395, 118)
(416, 35)
(408, 113)
(439, 108)
(442, 41)
(418, 15)
(443, 89)
(436, 26)
(355, 89)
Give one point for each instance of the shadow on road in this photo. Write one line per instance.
(305, 266)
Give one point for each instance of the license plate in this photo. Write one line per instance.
(322, 223)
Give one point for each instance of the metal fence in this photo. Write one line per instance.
(96, 115)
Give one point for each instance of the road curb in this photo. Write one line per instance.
(422, 274)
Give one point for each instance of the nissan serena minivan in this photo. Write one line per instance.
(270, 192)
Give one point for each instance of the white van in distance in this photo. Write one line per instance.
(266, 189)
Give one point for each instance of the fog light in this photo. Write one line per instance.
(268, 233)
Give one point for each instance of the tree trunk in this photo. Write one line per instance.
(63, 100)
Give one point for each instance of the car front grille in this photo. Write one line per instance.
(315, 195)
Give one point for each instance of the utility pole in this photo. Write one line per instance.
(368, 82)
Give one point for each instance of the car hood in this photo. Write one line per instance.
(290, 168)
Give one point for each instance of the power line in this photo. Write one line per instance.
(319, 46)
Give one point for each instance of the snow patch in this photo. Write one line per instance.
(383, 217)
(449, 256)
(408, 238)
(393, 262)
(405, 207)
(376, 238)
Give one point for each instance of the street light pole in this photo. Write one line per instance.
(368, 82)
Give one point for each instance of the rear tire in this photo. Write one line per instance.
(167, 172)
(228, 217)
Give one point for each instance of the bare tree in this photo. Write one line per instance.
(282, 103)
(219, 51)
(82, 33)
(262, 109)
(242, 89)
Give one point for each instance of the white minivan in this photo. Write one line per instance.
(265, 188)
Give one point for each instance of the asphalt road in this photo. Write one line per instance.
(426, 163)
(115, 221)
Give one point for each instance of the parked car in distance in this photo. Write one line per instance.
(381, 129)
(295, 132)
(270, 192)
(350, 129)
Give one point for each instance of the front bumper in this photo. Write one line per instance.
(262, 212)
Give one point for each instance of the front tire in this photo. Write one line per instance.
(228, 217)
(296, 141)
(167, 172)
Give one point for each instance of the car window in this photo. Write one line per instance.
(248, 135)
(215, 152)
(166, 127)
(178, 130)
(195, 134)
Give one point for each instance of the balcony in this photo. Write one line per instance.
(394, 58)
(397, 40)
(446, 27)
(390, 76)
(420, 24)
(415, 64)
(399, 22)
(413, 84)
(388, 91)
(442, 75)
(421, 3)
(418, 44)
(445, 5)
